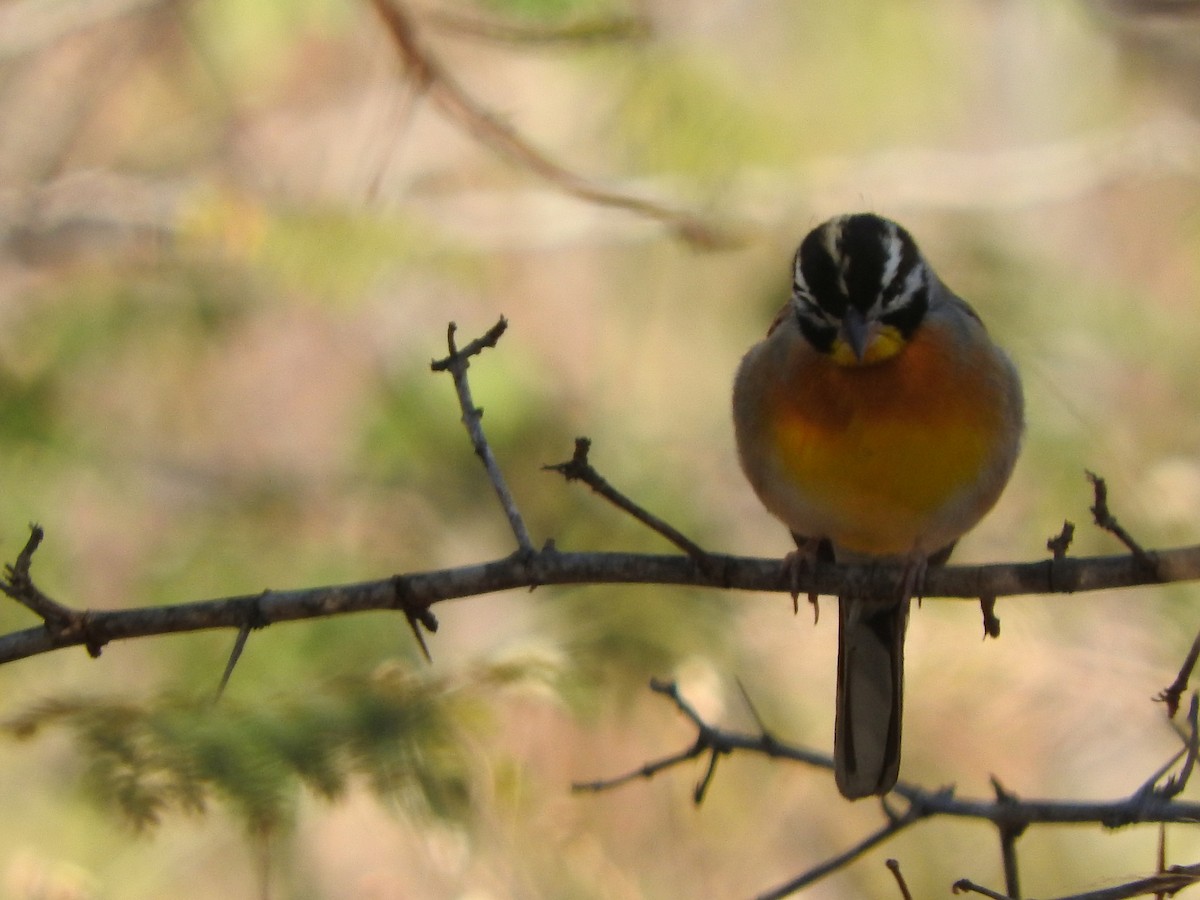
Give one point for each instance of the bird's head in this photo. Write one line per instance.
(861, 288)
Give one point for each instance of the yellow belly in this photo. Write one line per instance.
(880, 453)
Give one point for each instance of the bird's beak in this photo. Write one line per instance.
(855, 331)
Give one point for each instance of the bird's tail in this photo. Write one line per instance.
(870, 694)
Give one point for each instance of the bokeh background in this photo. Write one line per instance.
(231, 237)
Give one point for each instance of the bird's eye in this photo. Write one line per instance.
(809, 306)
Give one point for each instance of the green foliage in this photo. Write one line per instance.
(406, 736)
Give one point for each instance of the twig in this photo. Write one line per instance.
(754, 713)
(1171, 693)
(18, 584)
(816, 873)
(991, 622)
(709, 739)
(579, 468)
(457, 364)
(964, 885)
(1058, 546)
(606, 29)
(1161, 855)
(1150, 785)
(492, 131)
(646, 770)
(1009, 834)
(1106, 520)
(1010, 814)
(1170, 882)
(894, 867)
(1177, 782)
(1008, 855)
(1061, 542)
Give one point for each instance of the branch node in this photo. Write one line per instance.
(1177, 782)
(1104, 519)
(416, 612)
(579, 468)
(1061, 542)
(18, 584)
(459, 358)
(991, 622)
(92, 641)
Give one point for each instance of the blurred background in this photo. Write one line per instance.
(231, 238)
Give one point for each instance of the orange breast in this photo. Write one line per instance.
(880, 451)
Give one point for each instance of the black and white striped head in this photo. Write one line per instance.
(861, 288)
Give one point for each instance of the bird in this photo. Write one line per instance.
(879, 422)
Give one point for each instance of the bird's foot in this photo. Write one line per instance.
(798, 565)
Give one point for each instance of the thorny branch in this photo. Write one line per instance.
(417, 591)
(456, 364)
(1170, 695)
(1010, 814)
(414, 593)
(1163, 884)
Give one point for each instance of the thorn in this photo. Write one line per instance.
(1061, 542)
(991, 623)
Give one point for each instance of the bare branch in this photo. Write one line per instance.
(579, 468)
(1171, 693)
(1106, 520)
(708, 740)
(1061, 542)
(991, 622)
(1170, 882)
(415, 592)
(457, 364)
(1009, 834)
(1010, 814)
(18, 584)
(457, 104)
(964, 885)
(894, 867)
(1177, 782)
(605, 29)
(458, 358)
(816, 873)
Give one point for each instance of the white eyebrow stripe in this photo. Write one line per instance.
(891, 265)
(831, 238)
(913, 282)
(798, 276)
